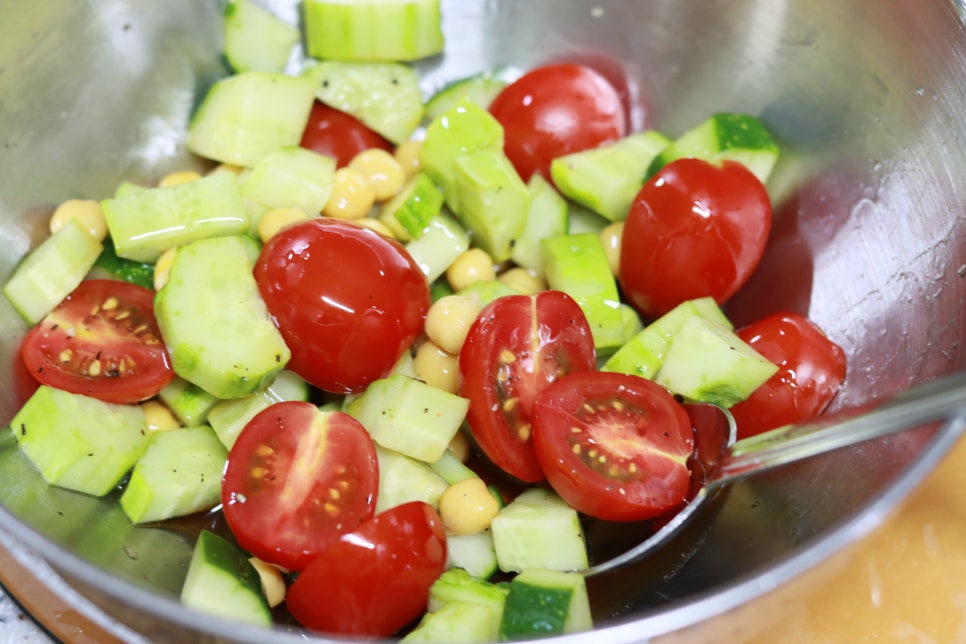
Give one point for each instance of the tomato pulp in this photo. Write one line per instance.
(695, 229)
(554, 110)
(374, 580)
(811, 370)
(339, 135)
(101, 341)
(347, 300)
(296, 479)
(614, 446)
(517, 346)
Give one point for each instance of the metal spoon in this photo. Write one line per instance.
(725, 461)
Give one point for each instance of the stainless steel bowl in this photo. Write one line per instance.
(869, 99)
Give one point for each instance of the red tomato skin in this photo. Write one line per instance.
(811, 370)
(648, 428)
(278, 482)
(554, 110)
(375, 580)
(339, 135)
(695, 229)
(547, 336)
(347, 300)
(82, 324)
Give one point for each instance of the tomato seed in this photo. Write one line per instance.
(110, 304)
(65, 356)
(94, 368)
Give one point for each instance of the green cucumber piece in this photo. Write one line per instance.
(51, 271)
(442, 241)
(189, 403)
(725, 136)
(452, 469)
(373, 30)
(385, 96)
(290, 177)
(494, 201)
(547, 217)
(127, 187)
(474, 553)
(458, 623)
(78, 442)
(479, 88)
(245, 117)
(409, 213)
(644, 353)
(178, 474)
(708, 362)
(606, 179)
(229, 417)
(463, 129)
(577, 265)
(256, 39)
(112, 266)
(409, 416)
(221, 581)
(145, 224)
(632, 322)
(489, 290)
(581, 219)
(538, 530)
(216, 326)
(543, 603)
(403, 479)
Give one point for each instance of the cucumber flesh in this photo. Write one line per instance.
(403, 479)
(216, 326)
(386, 97)
(256, 39)
(443, 240)
(410, 212)
(474, 553)
(78, 442)
(538, 530)
(229, 417)
(179, 474)
(188, 402)
(51, 271)
(542, 603)
(110, 265)
(290, 177)
(373, 30)
(457, 623)
(547, 217)
(221, 581)
(481, 89)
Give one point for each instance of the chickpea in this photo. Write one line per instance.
(475, 265)
(610, 237)
(436, 367)
(88, 214)
(407, 154)
(158, 417)
(467, 507)
(273, 584)
(449, 318)
(381, 170)
(460, 446)
(175, 178)
(162, 267)
(276, 219)
(523, 280)
(352, 195)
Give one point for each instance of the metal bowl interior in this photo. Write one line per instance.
(868, 100)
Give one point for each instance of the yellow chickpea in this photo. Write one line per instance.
(407, 154)
(381, 170)
(352, 195)
(467, 507)
(158, 417)
(175, 178)
(523, 280)
(376, 225)
(460, 446)
(436, 367)
(86, 211)
(610, 237)
(475, 265)
(449, 319)
(273, 584)
(276, 219)
(162, 268)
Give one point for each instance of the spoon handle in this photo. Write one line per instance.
(939, 399)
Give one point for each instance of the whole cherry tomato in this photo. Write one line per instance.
(695, 229)
(811, 370)
(339, 135)
(555, 110)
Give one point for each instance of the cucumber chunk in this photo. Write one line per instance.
(179, 474)
(189, 403)
(457, 623)
(538, 530)
(480, 88)
(113, 267)
(725, 136)
(474, 553)
(409, 416)
(247, 116)
(606, 179)
(373, 30)
(221, 581)
(229, 417)
(257, 39)
(644, 353)
(145, 224)
(216, 326)
(403, 479)
(577, 265)
(547, 217)
(410, 212)
(443, 240)
(708, 362)
(51, 271)
(78, 442)
(385, 96)
(290, 177)
(542, 603)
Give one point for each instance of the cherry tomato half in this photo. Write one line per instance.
(101, 341)
(614, 446)
(554, 110)
(695, 229)
(811, 370)
(515, 348)
(347, 300)
(373, 581)
(339, 135)
(296, 479)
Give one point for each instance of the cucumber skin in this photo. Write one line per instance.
(255, 38)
